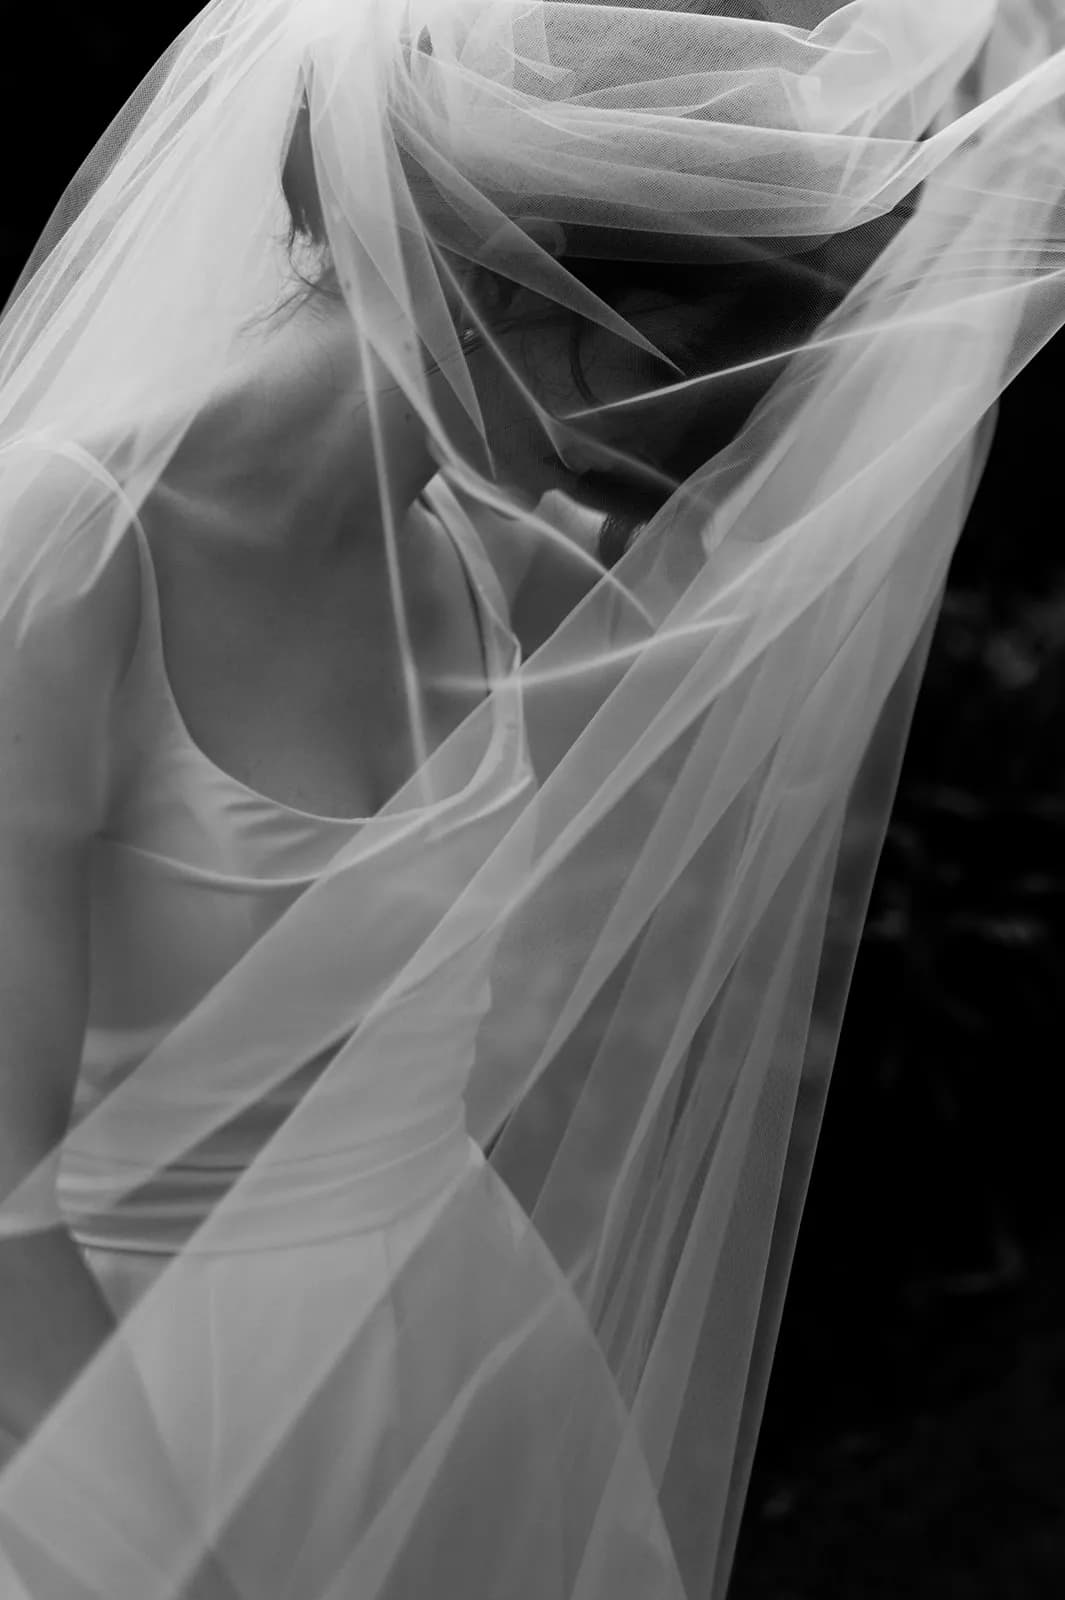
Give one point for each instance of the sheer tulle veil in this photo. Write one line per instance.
(613, 994)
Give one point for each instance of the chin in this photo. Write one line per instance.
(528, 490)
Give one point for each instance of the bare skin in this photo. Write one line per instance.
(281, 644)
(288, 672)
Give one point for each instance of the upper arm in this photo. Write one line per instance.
(553, 585)
(69, 609)
(543, 571)
(544, 563)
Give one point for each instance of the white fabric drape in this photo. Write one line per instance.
(383, 1362)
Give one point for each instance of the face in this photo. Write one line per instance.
(532, 458)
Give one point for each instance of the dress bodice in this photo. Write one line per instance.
(194, 869)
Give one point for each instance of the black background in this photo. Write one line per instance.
(914, 1436)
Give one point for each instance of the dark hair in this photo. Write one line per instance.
(306, 222)
(744, 303)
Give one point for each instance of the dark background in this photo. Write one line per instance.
(914, 1435)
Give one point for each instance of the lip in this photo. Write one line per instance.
(579, 461)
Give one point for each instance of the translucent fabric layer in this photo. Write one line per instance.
(448, 1229)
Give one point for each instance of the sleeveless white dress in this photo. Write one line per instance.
(360, 1409)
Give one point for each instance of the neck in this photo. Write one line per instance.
(285, 448)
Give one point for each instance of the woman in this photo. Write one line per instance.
(360, 814)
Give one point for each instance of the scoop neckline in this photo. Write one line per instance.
(383, 814)
(492, 631)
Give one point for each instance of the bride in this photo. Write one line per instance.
(477, 481)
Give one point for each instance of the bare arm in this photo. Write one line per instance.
(57, 686)
(542, 578)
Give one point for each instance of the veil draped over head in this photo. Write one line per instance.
(564, 1042)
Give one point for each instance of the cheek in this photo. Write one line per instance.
(541, 358)
(513, 425)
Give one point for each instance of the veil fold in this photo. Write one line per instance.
(468, 1192)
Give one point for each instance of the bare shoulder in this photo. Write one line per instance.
(65, 518)
(70, 613)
